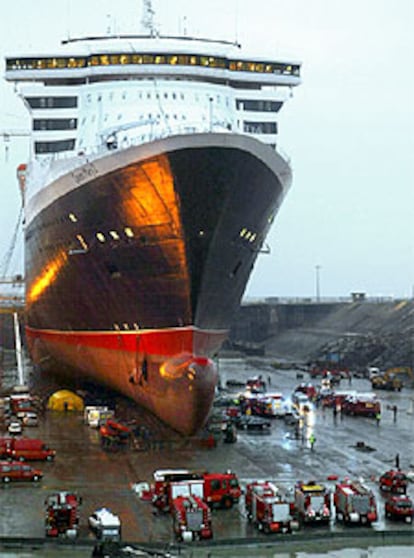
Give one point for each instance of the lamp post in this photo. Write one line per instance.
(318, 290)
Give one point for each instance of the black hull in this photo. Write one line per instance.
(145, 242)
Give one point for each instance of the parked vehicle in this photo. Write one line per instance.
(362, 404)
(312, 502)
(62, 514)
(354, 503)
(15, 428)
(221, 489)
(256, 385)
(105, 524)
(399, 508)
(191, 518)
(216, 489)
(26, 449)
(308, 389)
(95, 416)
(114, 434)
(11, 471)
(394, 481)
(249, 422)
(267, 509)
(387, 381)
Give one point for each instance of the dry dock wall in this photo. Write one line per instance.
(373, 332)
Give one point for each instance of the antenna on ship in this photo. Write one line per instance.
(147, 21)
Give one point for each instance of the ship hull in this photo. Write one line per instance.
(137, 262)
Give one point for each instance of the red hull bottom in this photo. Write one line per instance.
(165, 371)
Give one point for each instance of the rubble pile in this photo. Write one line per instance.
(358, 352)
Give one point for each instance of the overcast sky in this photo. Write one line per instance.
(349, 129)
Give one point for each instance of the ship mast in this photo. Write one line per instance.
(147, 21)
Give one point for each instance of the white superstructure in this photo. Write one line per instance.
(99, 94)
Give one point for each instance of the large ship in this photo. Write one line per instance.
(153, 180)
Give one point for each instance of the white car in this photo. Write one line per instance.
(14, 427)
(105, 524)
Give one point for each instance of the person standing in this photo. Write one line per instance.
(397, 461)
(312, 440)
(378, 418)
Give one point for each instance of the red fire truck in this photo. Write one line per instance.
(62, 514)
(312, 502)
(362, 404)
(267, 508)
(394, 481)
(217, 489)
(191, 518)
(354, 503)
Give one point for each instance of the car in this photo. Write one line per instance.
(30, 419)
(248, 422)
(399, 507)
(14, 428)
(16, 471)
(105, 524)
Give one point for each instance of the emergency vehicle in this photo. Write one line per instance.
(312, 502)
(399, 508)
(256, 385)
(266, 405)
(394, 481)
(191, 518)
(267, 509)
(62, 514)
(114, 434)
(354, 503)
(26, 449)
(216, 489)
(362, 404)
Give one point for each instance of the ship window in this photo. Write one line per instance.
(100, 236)
(160, 59)
(54, 146)
(55, 102)
(260, 127)
(183, 60)
(114, 59)
(104, 60)
(148, 59)
(174, 95)
(54, 124)
(193, 60)
(258, 105)
(136, 59)
(172, 59)
(73, 217)
(114, 235)
(129, 232)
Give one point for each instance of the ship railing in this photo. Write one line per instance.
(51, 167)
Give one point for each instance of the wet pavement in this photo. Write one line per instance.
(104, 478)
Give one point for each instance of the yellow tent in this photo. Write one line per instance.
(65, 400)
